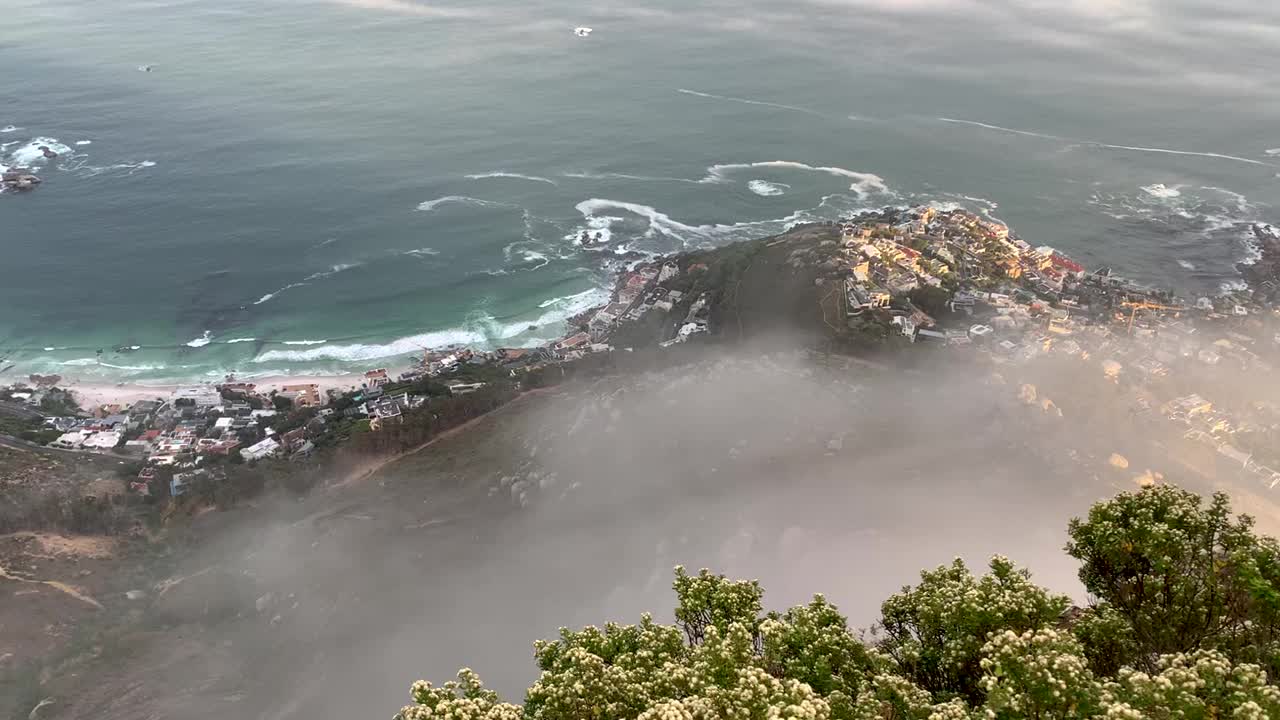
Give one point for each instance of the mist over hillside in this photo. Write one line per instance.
(811, 473)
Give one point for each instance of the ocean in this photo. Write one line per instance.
(310, 187)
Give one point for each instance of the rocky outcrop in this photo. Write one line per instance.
(1263, 275)
(19, 180)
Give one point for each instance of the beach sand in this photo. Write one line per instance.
(90, 394)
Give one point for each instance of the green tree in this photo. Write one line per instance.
(1182, 574)
(936, 630)
(956, 647)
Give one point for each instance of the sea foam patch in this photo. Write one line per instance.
(1160, 190)
(764, 188)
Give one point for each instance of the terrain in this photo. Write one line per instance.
(743, 452)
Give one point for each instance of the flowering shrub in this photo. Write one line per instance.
(936, 630)
(955, 646)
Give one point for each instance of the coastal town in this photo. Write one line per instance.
(936, 281)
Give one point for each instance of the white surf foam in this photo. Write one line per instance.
(764, 188)
(1160, 190)
(1186, 264)
(512, 176)
(1110, 146)
(333, 270)
(991, 204)
(863, 183)
(658, 222)
(30, 154)
(482, 331)
(271, 295)
(625, 176)
(94, 362)
(746, 101)
(79, 164)
(592, 293)
(430, 205)
(1272, 152)
(9, 129)
(422, 252)
(533, 256)
(304, 342)
(84, 142)
(233, 341)
(201, 341)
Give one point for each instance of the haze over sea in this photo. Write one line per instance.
(313, 187)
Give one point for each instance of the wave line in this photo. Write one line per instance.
(1095, 143)
(745, 101)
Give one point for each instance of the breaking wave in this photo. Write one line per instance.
(9, 129)
(233, 341)
(333, 270)
(481, 331)
(271, 295)
(430, 205)
(625, 176)
(94, 362)
(30, 154)
(510, 175)
(863, 183)
(764, 188)
(595, 294)
(1206, 231)
(201, 341)
(1160, 190)
(657, 225)
(304, 342)
(422, 252)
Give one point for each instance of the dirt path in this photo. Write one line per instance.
(366, 470)
(59, 586)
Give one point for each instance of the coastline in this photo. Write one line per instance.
(96, 392)
(90, 394)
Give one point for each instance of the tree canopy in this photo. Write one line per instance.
(1181, 625)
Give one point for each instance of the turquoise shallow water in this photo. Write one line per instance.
(384, 175)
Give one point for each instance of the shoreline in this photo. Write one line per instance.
(94, 394)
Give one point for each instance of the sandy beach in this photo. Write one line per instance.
(93, 394)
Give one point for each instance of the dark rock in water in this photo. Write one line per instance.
(44, 150)
(19, 180)
(1263, 275)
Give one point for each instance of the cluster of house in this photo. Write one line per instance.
(1016, 302)
(988, 274)
(192, 425)
(1215, 427)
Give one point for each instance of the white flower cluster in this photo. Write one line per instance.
(463, 699)
(1201, 684)
(1039, 673)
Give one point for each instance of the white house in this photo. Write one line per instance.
(200, 395)
(264, 449)
(70, 441)
(102, 440)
